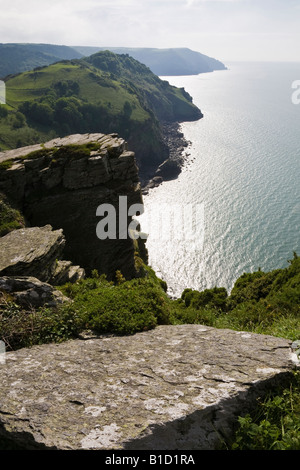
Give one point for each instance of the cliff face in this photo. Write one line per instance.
(63, 182)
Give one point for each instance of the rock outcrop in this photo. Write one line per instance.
(63, 182)
(175, 387)
(30, 292)
(31, 252)
(30, 266)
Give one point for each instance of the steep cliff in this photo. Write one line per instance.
(63, 182)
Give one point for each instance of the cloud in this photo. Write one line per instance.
(195, 2)
(203, 25)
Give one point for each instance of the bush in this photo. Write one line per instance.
(125, 308)
(21, 327)
(212, 298)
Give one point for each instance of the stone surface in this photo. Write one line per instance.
(66, 190)
(175, 387)
(65, 272)
(31, 252)
(30, 292)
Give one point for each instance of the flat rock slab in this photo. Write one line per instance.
(174, 387)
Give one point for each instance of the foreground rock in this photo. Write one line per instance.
(175, 387)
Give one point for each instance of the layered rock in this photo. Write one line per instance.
(63, 182)
(175, 387)
(31, 252)
(30, 292)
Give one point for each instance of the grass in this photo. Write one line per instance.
(275, 422)
(25, 87)
(103, 93)
(10, 218)
(121, 308)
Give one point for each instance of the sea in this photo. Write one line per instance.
(235, 207)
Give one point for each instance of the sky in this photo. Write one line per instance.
(228, 30)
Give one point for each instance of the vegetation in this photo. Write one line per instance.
(121, 307)
(275, 422)
(266, 303)
(103, 93)
(17, 58)
(10, 218)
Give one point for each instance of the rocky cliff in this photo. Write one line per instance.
(63, 182)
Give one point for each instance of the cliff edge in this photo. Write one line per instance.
(62, 183)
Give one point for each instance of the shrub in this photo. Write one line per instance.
(124, 308)
(20, 327)
(212, 298)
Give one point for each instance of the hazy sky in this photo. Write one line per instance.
(225, 29)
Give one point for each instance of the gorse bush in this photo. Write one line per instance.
(126, 307)
(121, 308)
(259, 302)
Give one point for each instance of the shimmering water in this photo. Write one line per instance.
(244, 169)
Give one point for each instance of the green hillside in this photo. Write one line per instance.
(165, 62)
(103, 93)
(16, 58)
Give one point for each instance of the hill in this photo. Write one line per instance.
(165, 62)
(103, 93)
(16, 58)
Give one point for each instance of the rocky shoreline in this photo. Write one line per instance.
(170, 168)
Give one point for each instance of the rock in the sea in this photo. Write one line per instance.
(31, 252)
(174, 387)
(30, 292)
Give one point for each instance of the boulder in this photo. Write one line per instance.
(30, 292)
(65, 272)
(172, 388)
(31, 252)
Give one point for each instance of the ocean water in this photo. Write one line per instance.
(242, 177)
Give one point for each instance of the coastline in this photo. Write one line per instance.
(170, 169)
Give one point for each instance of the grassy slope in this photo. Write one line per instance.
(17, 58)
(35, 86)
(126, 97)
(104, 93)
(165, 62)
